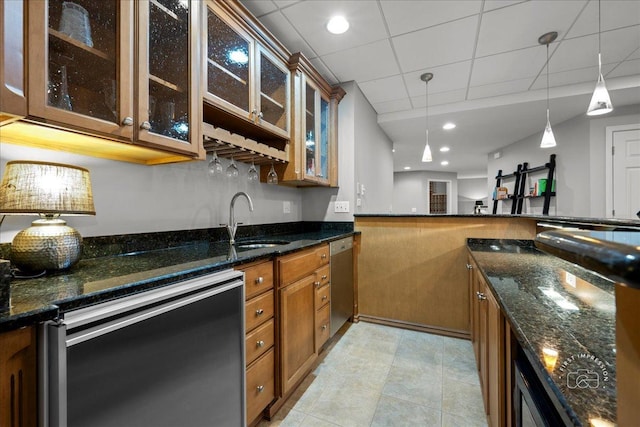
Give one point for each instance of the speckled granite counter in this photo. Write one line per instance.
(545, 309)
(106, 277)
(615, 255)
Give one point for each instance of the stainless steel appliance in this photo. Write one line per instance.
(341, 252)
(171, 356)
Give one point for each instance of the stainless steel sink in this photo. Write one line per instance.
(259, 244)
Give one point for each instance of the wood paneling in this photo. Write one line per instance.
(18, 404)
(295, 266)
(413, 269)
(627, 355)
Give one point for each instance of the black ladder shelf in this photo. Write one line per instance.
(519, 187)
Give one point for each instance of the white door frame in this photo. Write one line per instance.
(608, 164)
(449, 201)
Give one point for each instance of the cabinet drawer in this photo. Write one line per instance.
(260, 385)
(323, 326)
(258, 278)
(295, 266)
(324, 276)
(258, 310)
(323, 296)
(259, 341)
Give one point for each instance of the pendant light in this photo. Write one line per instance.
(600, 101)
(426, 155)
(548, 140)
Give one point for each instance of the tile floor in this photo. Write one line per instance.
(378, 375)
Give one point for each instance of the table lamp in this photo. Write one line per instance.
(48, 190)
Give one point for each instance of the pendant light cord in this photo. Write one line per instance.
(426, 91)
(547, 82)
(599, 30)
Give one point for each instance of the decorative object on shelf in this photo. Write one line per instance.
(75, 23)
(232, 169)
(477, 209)
(59, 88)
(215, 167)
(600, 101)
(426, 155)
(47, 190)
(548, 140)
(272, 177)
(252, 175)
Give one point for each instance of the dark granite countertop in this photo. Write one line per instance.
(615, 255)
(553, 304)
(102, 278)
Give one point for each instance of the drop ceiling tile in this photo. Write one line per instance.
(495, 4)
(439, 98)
(385, 89)
(392, 106)
(634, 55)
(615, 14)
(368, 62)
(406, 16)
(419, 50)
(445, 78)
(286, 34)
(509, 66)
(285, 3)
(627, 68)
(563, 78)
(259, 7)
(519, 26)
(310, 17)
(324, 71)
(498, 89)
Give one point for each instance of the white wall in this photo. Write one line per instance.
(580, 162)
(131, 198)
(411, 190)
(470, 190)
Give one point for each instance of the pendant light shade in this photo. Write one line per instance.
(548, 140)
(426, 154)
(600, 101)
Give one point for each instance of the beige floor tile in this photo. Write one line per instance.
(462, 399)
(420, 386)
(452, 420)
(392, 412)
(347, 406)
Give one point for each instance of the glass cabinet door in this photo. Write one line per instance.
(85, 45)
(310, 130)
(229, 63)
(273, 91)
(323, 152)
(168, 73)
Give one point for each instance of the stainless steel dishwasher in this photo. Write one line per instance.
(171, 356)
(341, 252)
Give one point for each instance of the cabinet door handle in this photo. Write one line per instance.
(469, 267)
(260, 388)
(259, 280)
(324, 277)
(260, 343)
(317, 284)
(481, 296)
(145, 125)
(324, 327)
(127, 121)
(323, 256)
(260, 115)
(324, 297)
(259, 312)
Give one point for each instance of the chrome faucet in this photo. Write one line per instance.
(232, 226)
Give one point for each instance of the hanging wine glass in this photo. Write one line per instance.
(252, 175)
(232, 169)
(215, 167)
(272, 176)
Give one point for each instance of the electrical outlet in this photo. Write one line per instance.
(286, 207)
(358, 202)
(341, 206)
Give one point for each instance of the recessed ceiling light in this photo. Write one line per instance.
(407, 168)
(444, 163)
(449, 126)
(337, 25)
(444, 149)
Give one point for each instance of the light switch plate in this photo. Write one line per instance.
(341, 206)
(286, 207)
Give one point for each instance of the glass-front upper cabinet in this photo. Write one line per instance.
(242, 77)
(82, 73)
(80, 57)
(316, 131)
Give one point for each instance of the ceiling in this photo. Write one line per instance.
(489, 70)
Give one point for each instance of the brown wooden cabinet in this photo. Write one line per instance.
(303, 280)
(260, 348)
(13, 97)
(18, 371)
(119, 70)
(488, 338)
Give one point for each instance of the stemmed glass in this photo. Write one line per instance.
(232, 169)
(252, 175)
(215, 167)
(272, 176)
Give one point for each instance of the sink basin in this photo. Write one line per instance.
(259, 244)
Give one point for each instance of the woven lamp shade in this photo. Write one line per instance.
(30, 187)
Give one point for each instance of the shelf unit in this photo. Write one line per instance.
(520, 175)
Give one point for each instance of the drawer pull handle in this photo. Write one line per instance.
(317, 284)
(260, 343)
(324, 327)
(145, 125)
(324, 277)
(259, 312)
(259, 280)
(481, 296)
(260, 388)
(469, 266)
(324, 297)
(323, 256)
(127, 121)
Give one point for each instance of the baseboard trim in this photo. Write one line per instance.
(415, 326)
